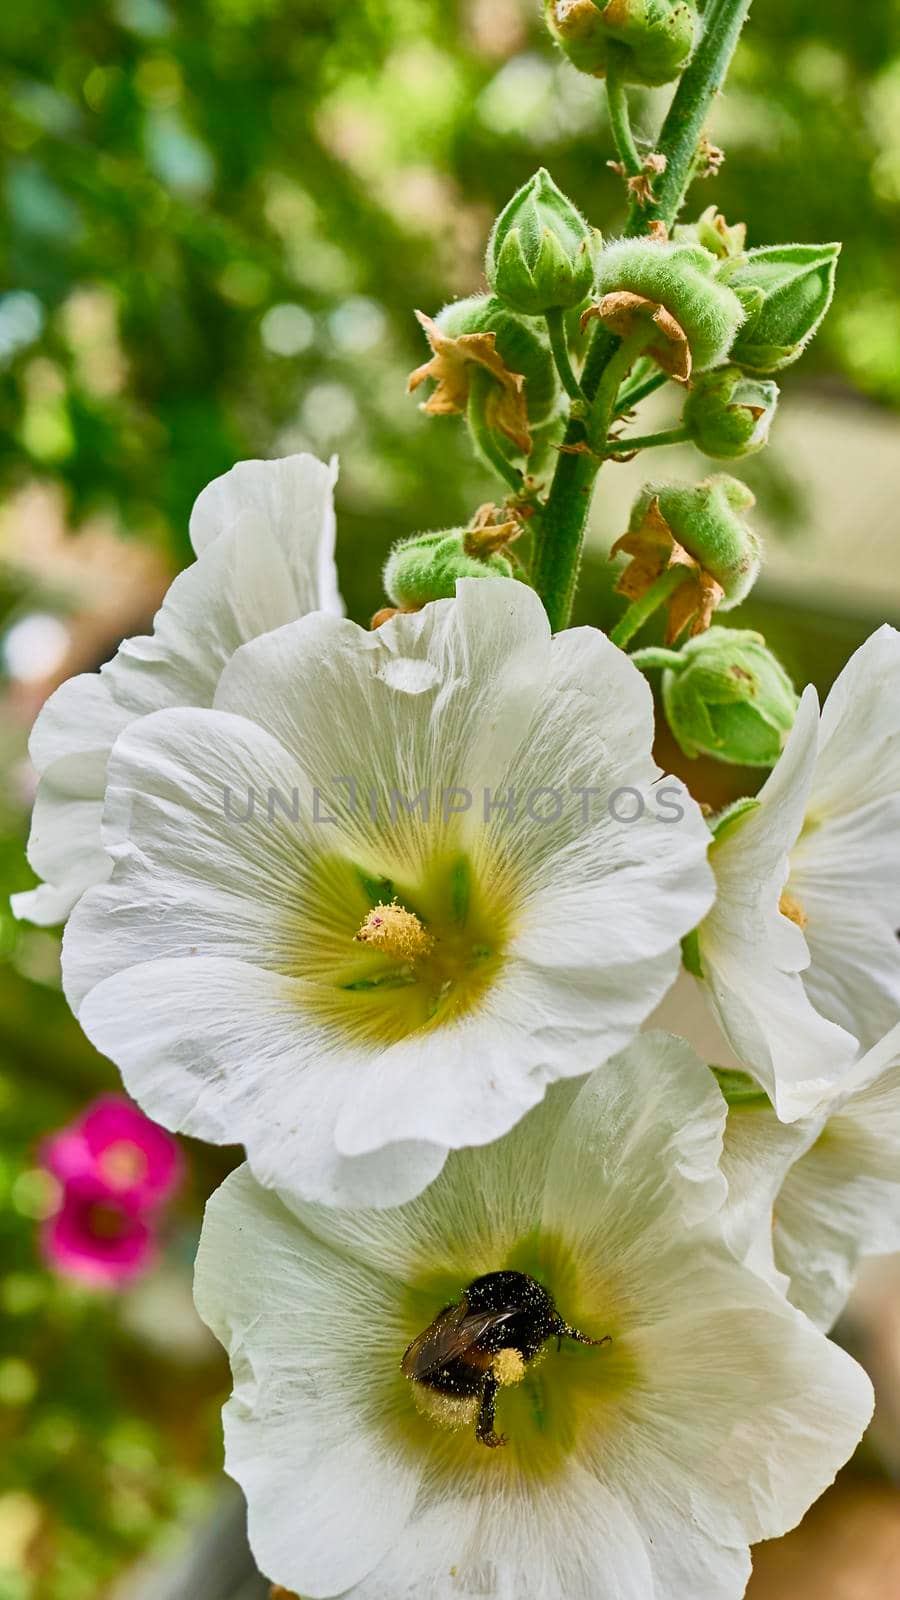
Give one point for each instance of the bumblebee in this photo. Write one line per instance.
(483, 1343)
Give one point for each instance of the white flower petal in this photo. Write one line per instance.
(311, 1338)
(80, 718)
(271, 560)
(757, 1155)
(239, 587)
(646, 1129)
(845, 873)
(489, 655)
(294, 497)
(221, 1053)
(192, 877)
(859, 742)
(571, 1538)
(753, 956)
(747, 1413)
(841, 1200)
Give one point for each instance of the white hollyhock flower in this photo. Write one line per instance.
(429, 911)
(264, 537)
(641, 1468)
(807, 1201)
(800, 954)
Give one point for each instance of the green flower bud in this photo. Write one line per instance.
(654, 36)
(638, 276)
(786, 290)
(521, 343)
(427, 566)
(702, 529)
(712, 231)
(541, 253)
(728, 414)
(726, 696)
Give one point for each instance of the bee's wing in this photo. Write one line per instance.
(451, 1334)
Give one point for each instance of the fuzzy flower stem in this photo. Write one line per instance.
(558, 554)
(683, 128)
(647, 441)
(638, 613)
(654, 656)
(556, 560)
(556, 328)
(483, 436)
(619, 118)
(631, 395)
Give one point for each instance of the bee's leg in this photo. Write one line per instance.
(581, 1338)
(484, 1427)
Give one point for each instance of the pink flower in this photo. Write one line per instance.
(96, 1237)
(115, 1149)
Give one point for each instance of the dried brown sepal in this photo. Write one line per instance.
(709, 159)
(653, 549)
(277, 1593)
(387, 612)
(658, 232)
(487, 539)
(640, 185)
(622, 312)
(451, 366)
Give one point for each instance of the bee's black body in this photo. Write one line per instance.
(500, 1311)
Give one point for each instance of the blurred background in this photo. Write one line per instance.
(217, 220)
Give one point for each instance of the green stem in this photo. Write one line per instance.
(648, 441)
(683, 128)
(557, 559)
(656, 656)
(558, 551)
(484, 437)
(651, 600)
(629, 397)
(559, 344)
(619, 117)
(603, 405)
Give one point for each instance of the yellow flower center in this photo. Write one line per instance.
(395, 932)
(790, 907)
(385, 957)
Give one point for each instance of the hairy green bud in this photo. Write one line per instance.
(521, 343)
(726, 695)
(712, 231)
(785, 290)
(700, 529)
(541, 252)
(653, 37)
(637, 276)
(427, 566)
(728, 414)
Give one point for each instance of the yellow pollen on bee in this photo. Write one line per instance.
(508, 1367)
(793, 910)
(395, 932)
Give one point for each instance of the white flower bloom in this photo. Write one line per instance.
(807, 1201)
(264, 537)
(352, 997)
(800, 954)
(637, 1469)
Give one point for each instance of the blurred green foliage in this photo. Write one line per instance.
(218, 217)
